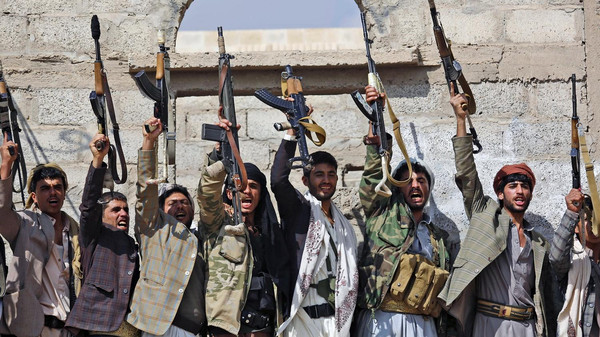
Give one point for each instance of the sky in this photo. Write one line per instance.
(270, 14)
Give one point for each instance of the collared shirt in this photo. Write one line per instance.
(55, 278)
(422, 242)
(509, 280)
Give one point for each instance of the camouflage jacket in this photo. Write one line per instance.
(229, 256)
(389, 223)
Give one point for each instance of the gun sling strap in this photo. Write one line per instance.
(374, 79)
(307, 122)
(112, 156)
(589, 171)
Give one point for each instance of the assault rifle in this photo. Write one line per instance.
(101, 100)
(575, 159)
(297, 114)
(236, 177)
(159, 93)
(579, 147)
(374, 113)
(10, 128)
(453, 71)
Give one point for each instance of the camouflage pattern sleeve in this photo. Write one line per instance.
(467, 178)
(372, 175)
(212, 211)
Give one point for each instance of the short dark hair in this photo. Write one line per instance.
(107, 197)
(320, 157)
(47, 173)
(173, 189)
(416, 168)
(512, 178)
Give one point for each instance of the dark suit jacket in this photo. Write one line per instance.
(109, 263)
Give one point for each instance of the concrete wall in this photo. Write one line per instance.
(517, 55)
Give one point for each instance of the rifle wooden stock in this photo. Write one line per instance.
(98, 78)
(574, 133)
(160, 66)
(2, 88)
(294, 86)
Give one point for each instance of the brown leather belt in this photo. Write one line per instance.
(505, 311)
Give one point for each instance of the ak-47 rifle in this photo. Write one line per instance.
(453, 71)
(163, 110)
(575, 159)
(236, 177)
(297, 114)
(10, 128)
(579, 147)
(374, 114)
(101, 100)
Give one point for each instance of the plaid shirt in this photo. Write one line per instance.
(560, 258)
(109, 262)
(168, 250)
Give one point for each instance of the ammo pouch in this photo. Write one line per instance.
(415, 287)
(261, 295)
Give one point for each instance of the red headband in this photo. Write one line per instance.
(507, 170)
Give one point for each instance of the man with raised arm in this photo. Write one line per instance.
(574, 255)
(110, 261)
(44, 274)
(322, 246)
(501, 276)
(245, 265)
(405, 262)
(169, 296)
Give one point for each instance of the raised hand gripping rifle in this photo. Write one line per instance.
(10, 128)
(101, 100)
(236, 171)
(297, 114)
(453, 72)
(579, 146)
(163, 110)
(374, 113)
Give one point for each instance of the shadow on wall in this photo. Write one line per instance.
(41, 158)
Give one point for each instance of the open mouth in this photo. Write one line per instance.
(416, 196)
(122, 224)
(326, 188)
(520, 201)
(246, 202)
(180, 216)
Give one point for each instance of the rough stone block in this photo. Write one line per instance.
(472, 24)
(260, 123)
(132, 108)
(544, 26)
(55, 34)
(542, 62)
(13, 33)
(54, 144)
(501, 99)
(65, 107)
(551, 138)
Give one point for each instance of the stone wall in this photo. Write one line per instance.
(517, 55)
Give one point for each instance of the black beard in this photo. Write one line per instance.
(512, 209)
